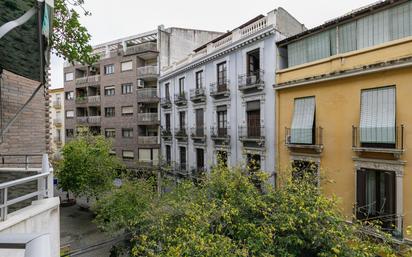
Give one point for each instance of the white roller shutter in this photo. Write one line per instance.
(303, 120)
(377, 123)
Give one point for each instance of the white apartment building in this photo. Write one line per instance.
(219, 101)
(56, 120)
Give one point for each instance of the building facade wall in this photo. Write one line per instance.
(57, 130)
(338, 104)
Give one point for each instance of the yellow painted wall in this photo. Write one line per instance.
(337, 109)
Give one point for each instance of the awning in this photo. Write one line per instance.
(377, 121)
(25, 27)
(303, 121)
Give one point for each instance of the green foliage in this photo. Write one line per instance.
(227, 215)
(69, 38)
(87, 168)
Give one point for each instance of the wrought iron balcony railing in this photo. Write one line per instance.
(181, 99)
(252, 80)
(198, 133)
(379, 140)
(57, 104)
(304, 138)
(220, 89)
(166, 134)
(198, 94)
(254, 132)
(181, 134)
(220, 135)
(166, 103)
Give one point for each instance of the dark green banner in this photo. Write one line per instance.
(20, 48)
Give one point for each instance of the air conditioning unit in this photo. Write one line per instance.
(140, 83)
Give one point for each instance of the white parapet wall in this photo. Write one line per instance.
(41, 217)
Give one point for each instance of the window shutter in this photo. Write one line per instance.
(390, 193)
(253, 106)
(361, 194)
(377, 124)
(303, 121)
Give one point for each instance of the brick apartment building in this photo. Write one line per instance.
(118, 96)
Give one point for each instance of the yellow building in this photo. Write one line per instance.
(57, 131)
(344, 110)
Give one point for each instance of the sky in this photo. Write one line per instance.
(113, 19)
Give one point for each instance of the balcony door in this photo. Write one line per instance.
(183, 158)
(181, 86)
(167, 92)
(221, 77)
(167, 121)
(199, 122)
(253, 64)
(253, 119)
(222, 121)
(182, 118)
(168, 154)
(200, 159)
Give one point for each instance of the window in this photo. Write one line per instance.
(377, 121)
(112, 152)
(168, 154)
(109, 111)
(200, 158)
(126, 66)
(110, 133)
(109, 91)
(182, 86)
(376, 197)
(199, 79)
(127, 110)
(167, 91)
(221, 76)
(69, 114)
(300, 169)
(182, 120)
(167, 118)
(69, 133)
(253, 119)
(253, 62)
(222, 121)
(303, 122)
(127, 88)
(69, 76)
(69, 95)
(109, 69)
(182, 151)
(149, 155)
(127, 132)
(127, 155)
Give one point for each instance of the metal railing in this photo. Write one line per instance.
(147, 93)
(148, 117)
(313, 136)
(57, 104)
(44, 180)
(180, 133)
(216, 132)
(141, 48)
(166, 102)
(197, 132)
(58, 121)
(197, 92)
(221, 87)
(255, 132)
(94, 119)
(181, 169)
(147, 71)
(166, 132)
(180, 98)
(250, 80)
(92, 80)
(373, 135)
(95, 99)
(147, 140)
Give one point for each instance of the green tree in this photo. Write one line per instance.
(87, 168)
(70, 38)
(227, 215)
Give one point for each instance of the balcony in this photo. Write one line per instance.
(57, 122)
(220, 135)
(220, 90)
(166, 134)
(181, 170)
(166, 103)
(57, 104)
(81, 99)
(251, 82)
(91, 120)
(181, 134)
(180, 99)
(145, 51)
(148, 118)
(82, 119)
(147, 95)
(254, 134)
(198, 95)
(94, 100)
(294, 139)
(198, 134)
(88, 81)
(148, 73)
(395, 148)
(147, 140)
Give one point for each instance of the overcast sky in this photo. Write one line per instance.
(112, 19)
